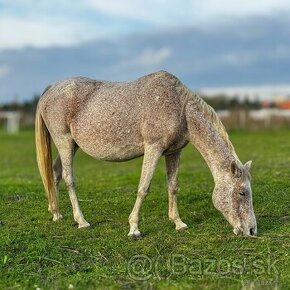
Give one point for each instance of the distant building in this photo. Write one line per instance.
(285, 105)
(261, 93)
(12, 121)
(282, 104)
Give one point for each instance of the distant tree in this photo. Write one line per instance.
(28, 107)
(234, 103)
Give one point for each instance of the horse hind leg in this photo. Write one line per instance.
(57, 174)
(57, 171)
(67, 148)
(57, 166)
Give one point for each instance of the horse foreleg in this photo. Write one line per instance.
(172, 164)
(150, 160)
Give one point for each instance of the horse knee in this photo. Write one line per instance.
(173, 188)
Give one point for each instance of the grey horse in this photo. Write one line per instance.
(154, 115)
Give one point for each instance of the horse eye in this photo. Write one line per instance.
(242, 193)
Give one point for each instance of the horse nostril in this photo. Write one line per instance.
(252, 231)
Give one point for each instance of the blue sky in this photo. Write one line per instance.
(43, 23)
(206, 43)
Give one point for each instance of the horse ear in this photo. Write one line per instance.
(235, 170)
(247, 165)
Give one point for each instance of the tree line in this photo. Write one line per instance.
(218, 102)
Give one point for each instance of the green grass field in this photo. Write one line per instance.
(38, 253)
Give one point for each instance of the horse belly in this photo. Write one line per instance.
(110, 142)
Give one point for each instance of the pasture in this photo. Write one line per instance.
(38, 253)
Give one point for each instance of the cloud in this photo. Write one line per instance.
(149, 11)
(147, 59)
(45, 23)
(4, 71)
(199, 58)
(241, 58)
(196, 13)
(20, 33)
(150, 57)
(243, 8)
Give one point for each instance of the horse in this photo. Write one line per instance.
(153, 116)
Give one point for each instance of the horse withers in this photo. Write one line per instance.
(154, 115)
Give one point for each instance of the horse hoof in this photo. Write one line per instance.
(57, 217)
(84, 225)
(136, 235)
(181, 227)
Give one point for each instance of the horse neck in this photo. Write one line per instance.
(207, 134)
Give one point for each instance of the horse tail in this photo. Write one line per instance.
(44, 161)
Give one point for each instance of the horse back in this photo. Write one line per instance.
(103, 116)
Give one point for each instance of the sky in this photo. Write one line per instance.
(42, 23)
(208, 44)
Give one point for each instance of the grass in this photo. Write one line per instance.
(38, 253)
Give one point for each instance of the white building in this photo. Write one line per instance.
(12, 121)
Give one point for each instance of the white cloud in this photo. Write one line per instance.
(45, 23)
(151, 11)
(186, 12)
(147, 59)
(243, 8)
(150, 57)
(18, 33)
(4, 71)
(243, 58)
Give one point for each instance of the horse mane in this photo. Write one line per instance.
(211, 114)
